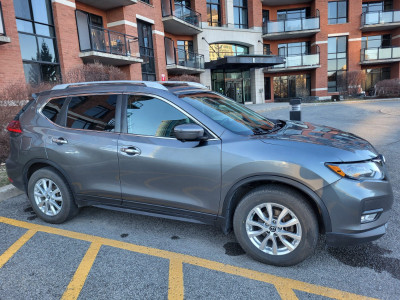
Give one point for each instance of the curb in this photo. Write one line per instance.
(261, 110)
(9, 191)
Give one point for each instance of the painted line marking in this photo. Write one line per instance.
(175, 282)
(5, 257)
(77, 282)
(283, 285)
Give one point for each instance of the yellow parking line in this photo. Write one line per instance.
(75, 286)
(285, 292)
(175, 284)
(283, 284)
(15, 247)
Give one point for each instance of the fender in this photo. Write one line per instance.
(226, 215)
(50, 163)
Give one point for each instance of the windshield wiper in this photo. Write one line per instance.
(260, 131)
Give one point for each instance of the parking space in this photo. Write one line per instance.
(104, 254)
(95, 259)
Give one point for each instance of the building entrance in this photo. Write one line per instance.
(233, 84)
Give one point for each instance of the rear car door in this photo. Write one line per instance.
(160, 173)
(85, 145)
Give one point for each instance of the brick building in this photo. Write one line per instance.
(322, 42)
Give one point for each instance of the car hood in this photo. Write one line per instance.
(343, 145)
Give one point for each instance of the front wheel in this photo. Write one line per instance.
(276, 225)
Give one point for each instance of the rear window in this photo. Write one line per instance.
(93, 112)
(53, 108)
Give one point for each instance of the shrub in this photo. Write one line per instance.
(388, 88)
(94, 72)
(185, 77)
(7, 113)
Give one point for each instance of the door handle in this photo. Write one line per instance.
(131, 150)
(59, 141)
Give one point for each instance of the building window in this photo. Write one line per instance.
(265, 17)
(267, 49)
(337, 63)
(146, 50)
(373, 76)
(294, 49)
(240, 14)
(286, 87)
(221, 50)
(376, 41)
(377, 6)
(37, 41)
(185, 51)
(337, 12)
(214, 13)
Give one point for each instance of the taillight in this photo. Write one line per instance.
(14, 126)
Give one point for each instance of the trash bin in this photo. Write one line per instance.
(295, 112)
(335, 98)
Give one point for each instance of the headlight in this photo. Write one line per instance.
(359, 171)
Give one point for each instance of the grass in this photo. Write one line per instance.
(3, 176)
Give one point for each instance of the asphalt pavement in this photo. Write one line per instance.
(102, 254)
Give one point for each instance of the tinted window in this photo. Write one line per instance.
(95, 112)
(53, 108)
(153, 117)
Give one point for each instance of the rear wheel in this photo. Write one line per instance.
(276, 225)
(50, 196)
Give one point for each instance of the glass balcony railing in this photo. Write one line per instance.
(108, 41)
(301, 60)
(380, 17)
(282, 26)
(186, 59)
(373, 54)
(181, 11)
(2, 28)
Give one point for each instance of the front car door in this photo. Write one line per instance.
(160, 173)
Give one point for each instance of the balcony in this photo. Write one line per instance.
(179, 19)
(380, 20)
(297, 63)
(283, 2)
(107, 46)
(107, 4)
(3, 37)
(180, 61)
(287, 29)
(380, 55)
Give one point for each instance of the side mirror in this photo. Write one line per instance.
(189, 132)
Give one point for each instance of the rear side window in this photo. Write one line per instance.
(53, 108)
(93, 112)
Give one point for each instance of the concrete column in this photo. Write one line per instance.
(230, 20)
(257, 86)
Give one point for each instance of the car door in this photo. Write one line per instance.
(160, 173)
(85, 146)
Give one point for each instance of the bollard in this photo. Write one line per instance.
(295, 113)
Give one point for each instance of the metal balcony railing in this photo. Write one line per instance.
(290, 25)
(371, 54)
(181, 12)
(302, 60)
(380, 17)
(2, 28)
(108, 41)
(186, 59)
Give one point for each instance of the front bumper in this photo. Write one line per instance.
(347, 200)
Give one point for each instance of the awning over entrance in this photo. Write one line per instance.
(244, 62)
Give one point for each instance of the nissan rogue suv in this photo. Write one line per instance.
(181, 151)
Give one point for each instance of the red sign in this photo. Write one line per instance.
(162, 77)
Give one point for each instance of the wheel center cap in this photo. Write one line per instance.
(272, 228)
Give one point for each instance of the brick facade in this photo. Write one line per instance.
(124, 19)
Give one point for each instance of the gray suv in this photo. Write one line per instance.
(180, 151)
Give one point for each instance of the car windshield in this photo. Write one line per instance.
(229, 114)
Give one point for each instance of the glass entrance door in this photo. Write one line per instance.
(235, 84)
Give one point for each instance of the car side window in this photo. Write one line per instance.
(151, 116)
(92, 112)
(53, 108)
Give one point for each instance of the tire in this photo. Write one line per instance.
(51, 197)
(294, 241)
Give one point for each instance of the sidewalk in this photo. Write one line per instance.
(264, 107)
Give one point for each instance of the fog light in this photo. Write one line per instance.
(368, 218)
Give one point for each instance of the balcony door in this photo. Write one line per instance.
(145, 35)
(90, 31)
